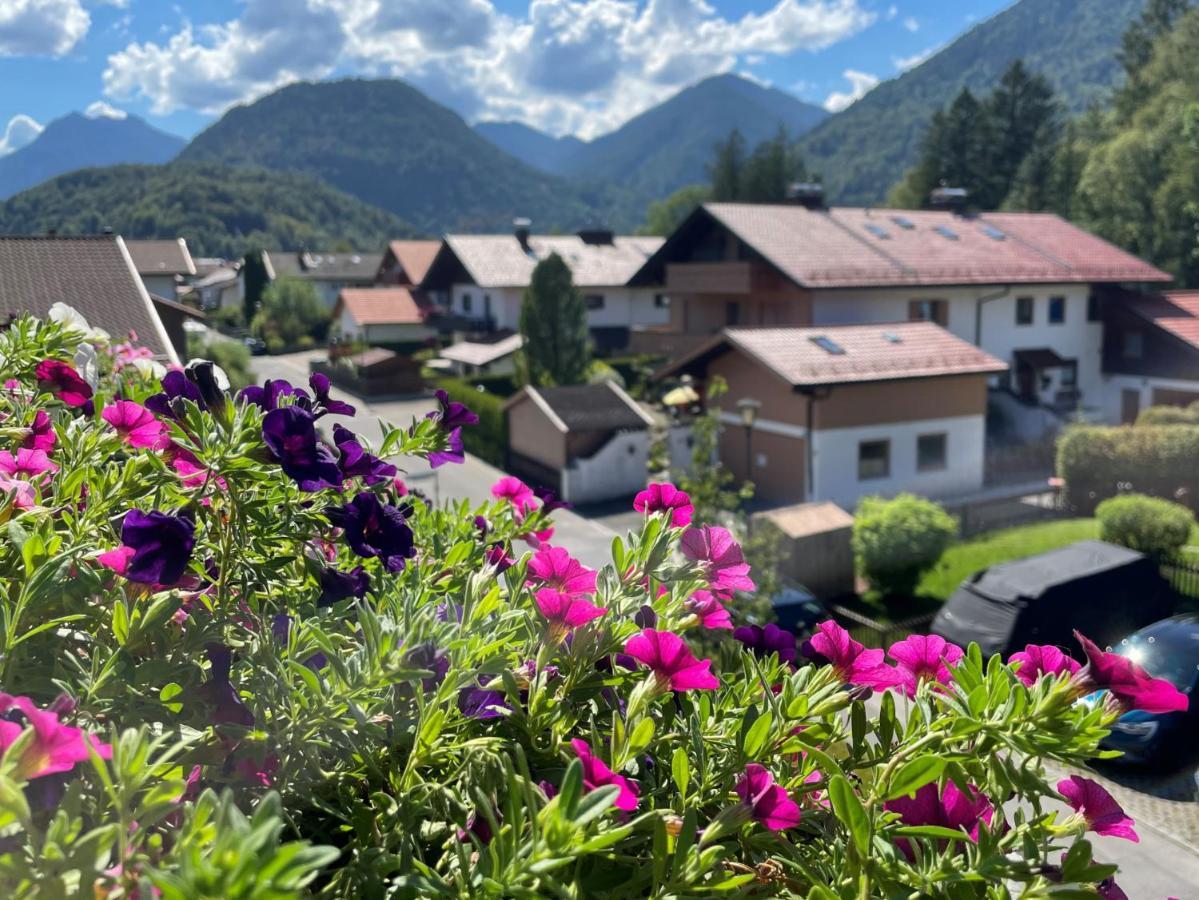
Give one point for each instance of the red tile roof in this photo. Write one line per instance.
(381, 306)
(1176, 312)
(845, 354)
(414, 257)
(851, 247)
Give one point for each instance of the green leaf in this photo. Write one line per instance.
(755, 738)
(642, 735)
(167, 693)
(931, 831)
(913, 775)
(849, 809)
(680, 770)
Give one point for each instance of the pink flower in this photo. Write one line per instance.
(55, 747)
(924, 658)
(665, 497)
(259, 773)
(948, 809)
(1130, 685)
(708, 610)
(26, 464)
(671, 660)
(23, 496)
(554, 567)
(769, 803)
(40, 434)
(564, 612)
(720, 558)
(136, 425)
(853, 663)
(597, 775)
(1102, 813)
(1036, 660)
(516, 492)
(57, 378)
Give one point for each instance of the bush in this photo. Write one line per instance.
(489, 439)
(1146, 524)
(1097, 462)
(228, 318)
(1169, 415)
(896, 541)
(290, 315)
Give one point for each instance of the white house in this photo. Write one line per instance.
(481, 279)
(221, 287)
(327, 272)
(165, 266)
(381, 315)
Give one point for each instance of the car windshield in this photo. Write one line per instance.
(1168, 650)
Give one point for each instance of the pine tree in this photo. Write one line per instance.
(553, 322)
(727, 168)
(1023, 116)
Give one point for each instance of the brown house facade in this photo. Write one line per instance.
(1150, 351)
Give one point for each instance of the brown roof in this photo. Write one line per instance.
(498, 260)
(804, 519)
(381, 306)
(1176, 312)
(95, 275)
(414, 257)
(853, 247)
(845, 354)
(586, 407)
(161, 257)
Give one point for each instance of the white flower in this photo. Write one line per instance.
(222, 380)
(86, 365)
(72, 320)
(148, 368)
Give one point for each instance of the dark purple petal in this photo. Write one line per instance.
(338, 585)
(290, 434)
(355, 462)
(175, 386)
(480, 704)
(454, 451)
(375, 529)
(453, 414)
(161, 543)
(431, 657)
(320, 390)
(225, 706)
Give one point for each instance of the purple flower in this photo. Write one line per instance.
(266, 396)
(452, 413)
(338, 585)
(156, 547)
(479, 825)
(175, 387)
(320, 390)
(922, 658)
(947, 808)
(1128, 684)
(429, 656)
(291, 436)
(454, 452)
(767, 640)
(497, 555)
(482, 704)
(375, 529)
(550, 500)
(225, 706)
(355, 462)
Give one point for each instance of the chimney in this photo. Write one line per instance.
(520, 228)
(952, 199)
(107, 229)
(597, 235)
(808, 194)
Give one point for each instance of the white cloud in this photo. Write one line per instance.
(911, 24)
(567, 66)
(903, 63)
(860, 83)
(21, 130)
(41, 27)
(101, 110)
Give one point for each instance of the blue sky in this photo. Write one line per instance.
(566, 66)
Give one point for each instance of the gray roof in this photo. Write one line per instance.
(315, 266)
(95, 275)
(169, 257)
(477, 353)
(498, 260)
(592, 407)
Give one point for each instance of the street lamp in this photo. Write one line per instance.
(748, 407)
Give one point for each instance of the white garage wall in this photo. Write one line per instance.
(618, 469)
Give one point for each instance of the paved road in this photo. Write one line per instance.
(589, 541)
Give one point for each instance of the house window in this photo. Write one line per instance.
(1024, 308)
(1093, 308)
(1069, 377)
(929, 311)
(1057, 310)
(487, 306)
(930, 452)
(732, 313)
(593, 301)
(874, 460)
(1134, 345)
(661, 301)
(466, 302)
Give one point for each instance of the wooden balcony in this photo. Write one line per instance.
(718, 278)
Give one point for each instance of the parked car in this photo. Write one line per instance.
(256, 346)
(1104, 590)
(1168, 649)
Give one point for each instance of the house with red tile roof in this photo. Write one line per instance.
(1020, 286)
(842, 411)
(407, 262)
(381, 316)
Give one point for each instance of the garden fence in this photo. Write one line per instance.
(872, 633)
(1184, 578)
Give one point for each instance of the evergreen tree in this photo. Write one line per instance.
(1023, 118)
(553, 322)
(727, 168)
(664, 216)
(770, 170)
(255, 280)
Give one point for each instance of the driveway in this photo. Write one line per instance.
(589, 541)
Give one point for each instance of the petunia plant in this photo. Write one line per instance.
(239, 657)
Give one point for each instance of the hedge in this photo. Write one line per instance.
(1097, 462)
(1147, 524)
(1169, 415)
(489, 439)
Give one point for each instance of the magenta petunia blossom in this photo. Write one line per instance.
(949, 808)
(1036, 660)
(671, 660)
(40, 433)
(665, 497)
(708, 610)
(924, 658)
(136, 425)
(55, 747)
(1102, 813)
(22, 493)
(516, 492)
(853, 663)
(26, 465)
(566, 612)
(719, 557)
(554, 567)
(769, 803)
(1130, 685)
(57, 378)
(596, 775)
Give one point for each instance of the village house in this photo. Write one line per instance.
(382, 316)
(493, 353)
(836, 412)
(588, 442)
(406, 262)
(329, 273)
(1021, 286)
(481, 279)
(165, 266)
(218, 286)
(95, 275)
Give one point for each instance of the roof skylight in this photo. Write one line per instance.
(903, 222)
(946, 232)
(828, 345)
(878, 231)
(993, 233)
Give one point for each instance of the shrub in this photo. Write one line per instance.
(1097, 462)
(237, 664)
(1147, 524)
(1169, 415)
(227, 318)
(290, 315)
(895, 541)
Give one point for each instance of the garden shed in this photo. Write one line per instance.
(1099, 588)
(816, 547)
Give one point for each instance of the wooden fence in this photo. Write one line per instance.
(872, 633)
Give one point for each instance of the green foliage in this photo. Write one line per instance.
(221, 211)
(762, 176)
(1097, 462)
(256, 279)
(896, 541)
(664, 216)
(489, 439)
(1169, 415)
(1146, 524)
(227, 318)
(553, 321)
(290, 312)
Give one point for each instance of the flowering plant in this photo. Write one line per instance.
(238, 658)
